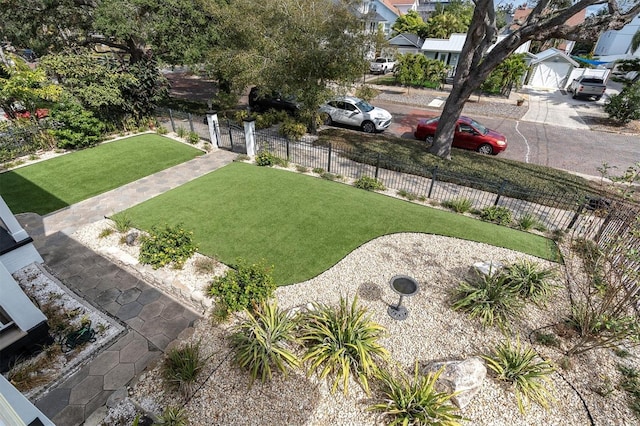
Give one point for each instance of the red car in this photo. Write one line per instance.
(469, 134)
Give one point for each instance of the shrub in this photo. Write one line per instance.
(318, 170)
(342, 342)
(173, 416)
(522, 368)
(121, 222)
(241, 288)
(369, 184)
(262, 341)
(267, 159)
(496, 214)
(458, 205)
(406, 194)
(625, 106)
(167, 245)
(205, 265)
(366, 92)
(182, 133)
(77, 127)
(181, 367)
(547, 339)
(301, 169)
(292, 129)
(328, 176)
(530, 280)
(161, 130)
(270, 118)
(105, 232)
(415, 402)
(193, 138)
(488, 297)
(528, 221)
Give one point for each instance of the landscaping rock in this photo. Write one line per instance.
(488, 267)
(464, 376)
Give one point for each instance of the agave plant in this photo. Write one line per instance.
(416, 401)
(342, 342)
(262, 341)
(522, 367)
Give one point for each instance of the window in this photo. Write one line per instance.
(5, 320)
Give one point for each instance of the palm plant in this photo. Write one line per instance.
(416, 401)
(522, 368)
(181, 367)
(342, 342)
(261, 342)
(530, 280)
(488, 297)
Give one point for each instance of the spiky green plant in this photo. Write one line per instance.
(489, 298)
(532, 281)
(415, 401)
(121, 222)
(530, 221)
(525, 370)
(263, 341)
(181, 367)
(342, 342)
(173, 416)
(458, 205)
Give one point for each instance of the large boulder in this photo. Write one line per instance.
(464, 376)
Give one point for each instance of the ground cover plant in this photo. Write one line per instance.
(59, 182)
(284, 218)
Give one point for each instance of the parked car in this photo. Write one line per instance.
(356, 112)
(382, 65)
(587, 87)
(469, 134)
(261, 100)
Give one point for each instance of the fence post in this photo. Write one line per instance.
(502, 185)
(287, 149)
(190, 122)
(329, 160)
(173, 125)
(230, 133)
(434, 177)
(377, 166)
(575, 217)
(214, 129)
(249, 135)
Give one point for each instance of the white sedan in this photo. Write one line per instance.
(353, 111)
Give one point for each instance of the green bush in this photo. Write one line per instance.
(328, 176)
(496, 214)
(263, 341)
(625, 106)
(415, 402)
(182, 132)
(366, 92)
(167, 245)
(528, 221)
(173, 416)
(267, 159)
(530, 280)
(241, 288)
(181, 367)
(193, 138)
(522, 368)
(161, 130)
(77, 127)
(458, 205)
(270, 118)
(406, 194)
(121, 222)
(341, 342)
(292, 129)
(488, 297)
(318, 170)
(369, 184)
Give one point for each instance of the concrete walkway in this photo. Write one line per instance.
(553, 108)
(153, 320)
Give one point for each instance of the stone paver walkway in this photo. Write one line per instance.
(153, 319)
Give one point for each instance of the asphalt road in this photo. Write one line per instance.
(575, 150)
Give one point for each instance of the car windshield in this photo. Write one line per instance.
(364, 106)
(381, 60)
(479, 127)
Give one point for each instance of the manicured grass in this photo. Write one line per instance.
(303, 225)
(59, 182)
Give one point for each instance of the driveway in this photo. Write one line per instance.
(555, 108)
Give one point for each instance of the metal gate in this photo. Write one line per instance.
(231, 137)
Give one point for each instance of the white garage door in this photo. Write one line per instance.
(550, 74)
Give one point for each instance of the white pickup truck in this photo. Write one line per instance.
(587, 86)
(382, 65)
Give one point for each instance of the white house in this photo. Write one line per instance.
(616, 44)
(448, 50)
(551, 68)
(377, 13)
(406, 43)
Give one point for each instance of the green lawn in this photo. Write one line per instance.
(59, 182)
(303, 225)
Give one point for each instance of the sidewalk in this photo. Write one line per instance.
(153, 319)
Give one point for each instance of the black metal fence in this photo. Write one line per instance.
(560, 210)
(19, 140)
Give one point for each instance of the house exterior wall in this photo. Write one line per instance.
(617, 42)
(15, 408)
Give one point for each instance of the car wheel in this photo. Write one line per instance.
(368, 127)
(326, 119)
(429, 140)
(574, 96)
(485, 148)
(598, 98)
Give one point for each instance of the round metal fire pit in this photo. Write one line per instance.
(405, 286)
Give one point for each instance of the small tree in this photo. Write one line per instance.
(506, 75)
(625, 106)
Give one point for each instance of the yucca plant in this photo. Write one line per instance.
(489, 298)
(528, 374)
(342, 342)
(458, 205)
(173, 416)
(181, 367)
(532, 281)
(262, 341)
(121, 222)
(529, 221)
(415, 401)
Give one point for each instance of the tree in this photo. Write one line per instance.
(443, 25)
(625, 106)
(545, 21)
(410, 22)
(506, 75)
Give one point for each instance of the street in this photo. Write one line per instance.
(575, 150)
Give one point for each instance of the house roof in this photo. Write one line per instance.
(407, 39)
(456, 41)
(389, 5)
(553, 54)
